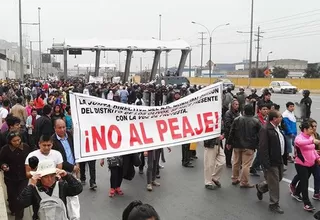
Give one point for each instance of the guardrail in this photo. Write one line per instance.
(311, 84)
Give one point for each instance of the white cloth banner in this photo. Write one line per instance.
(104, 128)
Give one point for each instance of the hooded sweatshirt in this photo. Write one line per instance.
(306, 153)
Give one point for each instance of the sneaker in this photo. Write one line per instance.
(83, 182)
(158, 176)
(119, 191)
(316, 196)
(308, 208)
(155, 183)
(93, 186)
(292, 189)
(211, 187)
(259, 194)
(161, 166)
(217, 183)
(297, 197)
(112, 192)
(149, 187)
(276, 209)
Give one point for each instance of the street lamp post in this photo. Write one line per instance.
(20, 42)
(268, 59)
(20, 30)
(31, 57)
(210, 43)
(160, 34)
(40, 58)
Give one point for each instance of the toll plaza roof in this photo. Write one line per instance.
(121, 45)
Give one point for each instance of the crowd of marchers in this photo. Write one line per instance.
(259, 136)
(37, 151)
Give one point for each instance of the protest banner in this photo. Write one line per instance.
(104, 128)
(96, 79)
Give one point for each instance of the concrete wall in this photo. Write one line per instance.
(311, 84)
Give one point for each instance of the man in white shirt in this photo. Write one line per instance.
(4, 111)
(44, 153)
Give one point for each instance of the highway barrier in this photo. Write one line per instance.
(311, 84)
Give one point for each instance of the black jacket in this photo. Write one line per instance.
(15, 159)
(59, 147)
(43, 127)
(228, 120)
(69, 186)
(269, 147)
(244, 133)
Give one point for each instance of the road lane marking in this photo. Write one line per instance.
(289, 181)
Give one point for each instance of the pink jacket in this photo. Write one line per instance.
(306, 152)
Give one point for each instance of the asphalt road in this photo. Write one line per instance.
(182, 195)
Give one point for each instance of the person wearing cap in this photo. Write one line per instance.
(12, 157)
(44, 179)
(44, 153)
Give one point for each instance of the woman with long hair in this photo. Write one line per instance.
(305, 161)
(57, 114)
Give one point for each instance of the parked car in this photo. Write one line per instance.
(282, 87)
(226, 83)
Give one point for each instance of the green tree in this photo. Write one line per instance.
(312, 72)
(260, 72)
(279, 72)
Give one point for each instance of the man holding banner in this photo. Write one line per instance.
(132, 129)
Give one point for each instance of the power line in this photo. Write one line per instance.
(296, 34)
(283, 19)
(294, 16)
(291, 26)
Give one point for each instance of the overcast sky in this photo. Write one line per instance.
(292, 27)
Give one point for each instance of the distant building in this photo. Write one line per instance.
(293, 65)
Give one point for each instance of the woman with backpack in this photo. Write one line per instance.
(47, 191)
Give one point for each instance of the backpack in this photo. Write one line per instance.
(52, 207)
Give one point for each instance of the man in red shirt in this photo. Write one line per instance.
(263, 111)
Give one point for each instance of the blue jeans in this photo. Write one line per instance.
(289, 143)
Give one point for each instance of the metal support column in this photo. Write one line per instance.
(127, 67)
(155, 64)
(97, 66)
(65, 63)
(183, 59)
